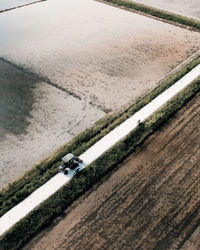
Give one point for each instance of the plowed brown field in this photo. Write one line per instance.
(151, 201)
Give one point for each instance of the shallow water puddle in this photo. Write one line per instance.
(35, 119)
(12, 4)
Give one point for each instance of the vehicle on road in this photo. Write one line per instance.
(70, 163)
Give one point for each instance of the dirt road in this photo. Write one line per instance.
(151, 202)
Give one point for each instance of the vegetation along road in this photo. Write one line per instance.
(152, 200)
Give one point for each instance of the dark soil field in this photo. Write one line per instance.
(150, 202)
(193, 243)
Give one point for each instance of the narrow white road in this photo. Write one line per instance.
(50, 187)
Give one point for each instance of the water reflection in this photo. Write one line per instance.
(9, 4)
(16, 99)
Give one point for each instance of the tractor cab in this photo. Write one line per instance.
(70, 162)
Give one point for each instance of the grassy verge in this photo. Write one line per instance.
(52, 207)
(43, 171)
(156, 12)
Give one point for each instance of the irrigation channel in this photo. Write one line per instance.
(51, 186)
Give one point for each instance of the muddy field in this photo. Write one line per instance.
(94, 50)
(185, 8)
(72, 61)
(150, 202)
(7, 5)
(35, 119)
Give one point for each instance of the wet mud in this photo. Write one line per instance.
(35, 119)
(88, 58)
(150, 202)
(109, 55)
(16, 99)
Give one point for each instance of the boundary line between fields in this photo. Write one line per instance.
(100, 147)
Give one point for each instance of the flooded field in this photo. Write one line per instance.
(35, 118)
(150, 202)
(185, 7)
(91, 49)
(64, 64)
(6, 4)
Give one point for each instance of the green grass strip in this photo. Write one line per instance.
(40, 217)
(156, 12)
(47, 168)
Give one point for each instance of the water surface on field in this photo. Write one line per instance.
(35, 119)
(110, 55)
(69, 61)
(10, 4)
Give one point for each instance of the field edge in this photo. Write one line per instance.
(52, 207)
(40, 173)
(154, 12)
